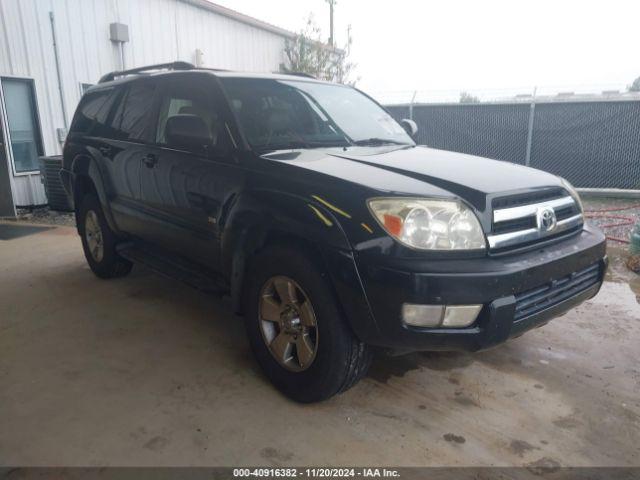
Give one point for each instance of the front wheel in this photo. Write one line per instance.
(297, 331)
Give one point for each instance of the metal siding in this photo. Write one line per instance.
(24, 57)
(28, 190)
(5, 54)
(160, 31)
(226, 43)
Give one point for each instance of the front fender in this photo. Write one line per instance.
(262, 217)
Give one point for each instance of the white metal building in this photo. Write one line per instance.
(50, 50)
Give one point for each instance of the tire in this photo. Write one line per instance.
(98, 241)
(339, 359)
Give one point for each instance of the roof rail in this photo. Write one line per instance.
(299, 74)
(213, 69)
(160, 66)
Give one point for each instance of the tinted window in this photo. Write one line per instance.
(131, 118)
(93, 109)
(185, 98)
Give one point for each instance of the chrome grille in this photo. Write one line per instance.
(528, 198)
(516, 224)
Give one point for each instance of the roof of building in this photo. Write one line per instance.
(240, 17)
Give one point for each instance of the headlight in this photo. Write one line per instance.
(572, 191)
(429, 224)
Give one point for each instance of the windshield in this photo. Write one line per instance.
(278, 114)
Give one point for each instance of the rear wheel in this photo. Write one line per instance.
(297, 331)
(98, 241)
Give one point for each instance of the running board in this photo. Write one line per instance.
(173, 266)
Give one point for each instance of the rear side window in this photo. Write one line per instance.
(93, 111)
(131, 118)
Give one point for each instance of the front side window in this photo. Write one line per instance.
(179, 105)
(289, 114)
(24, 129)
(188, 99)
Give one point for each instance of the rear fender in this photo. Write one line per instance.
(87, 166)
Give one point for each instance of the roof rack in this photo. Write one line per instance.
(160, 66)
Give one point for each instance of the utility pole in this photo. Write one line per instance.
(331, 4)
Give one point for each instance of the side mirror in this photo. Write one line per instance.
(187, 132)
(409, 126)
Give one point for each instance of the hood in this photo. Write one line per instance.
(422, 171)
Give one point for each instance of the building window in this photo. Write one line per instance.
(22, 117)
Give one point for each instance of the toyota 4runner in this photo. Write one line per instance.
(316, 212)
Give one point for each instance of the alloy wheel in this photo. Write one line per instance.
(93, 235)
(288, 323)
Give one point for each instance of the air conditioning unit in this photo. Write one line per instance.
(50, 176)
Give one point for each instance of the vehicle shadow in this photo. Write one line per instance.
(384, 367)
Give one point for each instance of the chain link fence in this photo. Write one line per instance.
(593, 144)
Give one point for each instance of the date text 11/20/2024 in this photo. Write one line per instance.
(315, 473)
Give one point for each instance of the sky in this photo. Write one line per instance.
(487, 47)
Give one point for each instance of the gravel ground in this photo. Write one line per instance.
(45, 216)
(622, 231)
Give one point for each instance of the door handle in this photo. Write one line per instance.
(150, 160)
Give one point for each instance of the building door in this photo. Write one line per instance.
(21, 145)
(23, 136)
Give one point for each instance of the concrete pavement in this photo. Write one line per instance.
(146, 371)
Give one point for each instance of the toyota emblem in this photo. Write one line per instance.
(547, 220)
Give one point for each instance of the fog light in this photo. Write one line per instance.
(422, 315)
(446, 316)
(459, 316)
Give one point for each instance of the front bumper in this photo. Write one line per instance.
(498, 282)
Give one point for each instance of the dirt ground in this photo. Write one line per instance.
(146, 371)
(616, 216)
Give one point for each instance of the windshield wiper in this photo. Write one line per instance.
(298, 144)
(378, 141)
(282, 146)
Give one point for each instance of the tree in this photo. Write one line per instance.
(306, 53)
(635, 86)
(466, 97)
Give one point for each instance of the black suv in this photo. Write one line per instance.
(331, 230)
